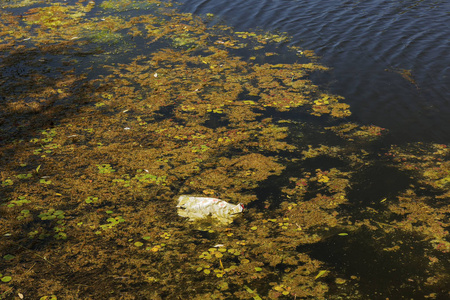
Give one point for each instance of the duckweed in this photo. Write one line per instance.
(52, 214)
(91, 199)
(7, 182)
(24, 213)
(112, 222)
(19, 202)
(8, 257)
(105, 169)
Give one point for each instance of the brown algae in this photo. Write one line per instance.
(98, 141)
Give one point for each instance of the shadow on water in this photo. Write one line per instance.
(385, 265)
(45, 74)
(40, 88)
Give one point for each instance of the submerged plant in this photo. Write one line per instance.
(179, 112)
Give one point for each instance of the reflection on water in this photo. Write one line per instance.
(362, 41)
(112, 110)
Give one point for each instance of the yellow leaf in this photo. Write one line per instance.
(278, 288)
(323, 178)
(321, 273)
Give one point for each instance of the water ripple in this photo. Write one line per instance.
(367, 44)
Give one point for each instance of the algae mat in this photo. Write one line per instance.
(112, 109)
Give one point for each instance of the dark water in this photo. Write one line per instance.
(368, 44)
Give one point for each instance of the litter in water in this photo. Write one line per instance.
(196, 208)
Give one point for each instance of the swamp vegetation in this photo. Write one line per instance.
(112, 109)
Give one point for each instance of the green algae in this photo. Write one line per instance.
(98, 147)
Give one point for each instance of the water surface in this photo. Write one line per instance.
(111, 110)
(370, 45)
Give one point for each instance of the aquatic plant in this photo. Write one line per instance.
(117, 136)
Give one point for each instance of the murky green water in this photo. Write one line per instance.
(112, 110)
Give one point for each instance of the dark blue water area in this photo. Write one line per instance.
(370, 46)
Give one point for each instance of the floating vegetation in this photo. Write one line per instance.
(5, 278)
(97, 145)
(105, 169)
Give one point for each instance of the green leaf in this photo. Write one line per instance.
(52, 297)
(8, 257)
(45, 181)
(256, 297)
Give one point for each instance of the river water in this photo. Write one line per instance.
(112, 110)
(389, 59)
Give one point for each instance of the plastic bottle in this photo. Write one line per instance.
(196, 208)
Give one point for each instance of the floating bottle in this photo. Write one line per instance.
(196, 208)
